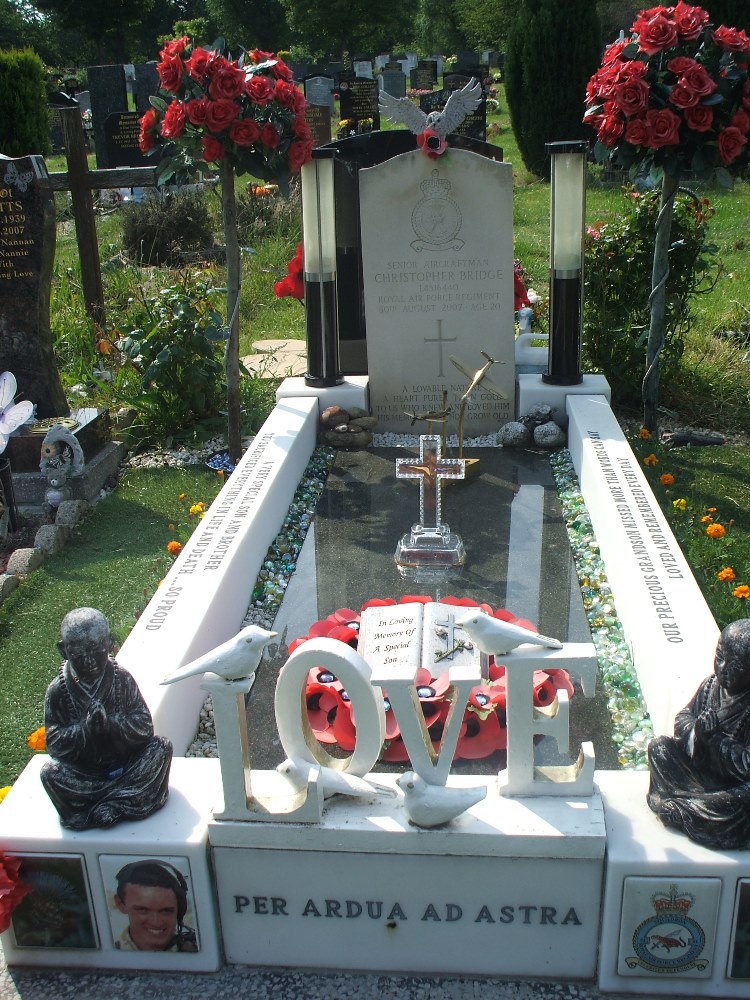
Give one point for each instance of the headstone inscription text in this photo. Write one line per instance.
(27, 253)
(437, 253)
(121, 132)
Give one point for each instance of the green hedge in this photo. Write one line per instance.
(24, 119)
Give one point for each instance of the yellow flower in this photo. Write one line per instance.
(37, 740)
(716, 531)
(711, 510)
(4, 791)
(666, 479)
(706, 519)
(197, 508)
(727, 574)
(742, 592)
(680, 504)
(651, 460)
(180, 496)
(174, 548)
(644, 433)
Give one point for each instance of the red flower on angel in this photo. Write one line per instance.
(432, 144)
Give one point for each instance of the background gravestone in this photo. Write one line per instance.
(319, 90)
(363, 69)
(121, 137)
(318, 118)
(474, 125)
(393, 82)
(437, 261)
(55, 130)
(359, 101)
(27, 253)
(108, 95)
(146, 85)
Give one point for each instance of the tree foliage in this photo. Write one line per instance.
(24, 127)
(251, 23)
(336, 26)
(105, 24)
(733, 13)
(553, 48)
(485, 23)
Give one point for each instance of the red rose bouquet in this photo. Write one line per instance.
(675, 97)
(247, 116)
(245, 110)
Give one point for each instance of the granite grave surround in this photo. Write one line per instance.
(529, 885)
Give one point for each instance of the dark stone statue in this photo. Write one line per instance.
(700, 777)
(107, 764)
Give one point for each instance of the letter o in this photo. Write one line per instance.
(354, 672)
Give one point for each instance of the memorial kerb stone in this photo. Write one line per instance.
(121, 132)
(146, 85)
(27, 253)
(437, 254)
(318, 118)
(359, 103)
(109, 95)
(394, 82)
(319, 90)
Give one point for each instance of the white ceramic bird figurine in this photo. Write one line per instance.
(434, 805)
(401, 110)
(234, 660)
(495, 636)
(334, 782)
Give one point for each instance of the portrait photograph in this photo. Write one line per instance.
(57, 913)
(739, 952)
(150, 903)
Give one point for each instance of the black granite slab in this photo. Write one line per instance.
(518, 556)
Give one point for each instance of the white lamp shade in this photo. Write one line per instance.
(568, 179)
(319, 218)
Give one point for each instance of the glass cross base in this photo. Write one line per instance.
(434, 548)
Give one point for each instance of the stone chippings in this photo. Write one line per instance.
(632, 727)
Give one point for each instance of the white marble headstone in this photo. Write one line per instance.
(437, 252)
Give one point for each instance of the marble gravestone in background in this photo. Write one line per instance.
(437, 254)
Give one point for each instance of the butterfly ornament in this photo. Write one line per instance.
(18, 178)
(432, 129)
(12, 414)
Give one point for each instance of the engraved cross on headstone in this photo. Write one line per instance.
(440, 340)
(430, 470)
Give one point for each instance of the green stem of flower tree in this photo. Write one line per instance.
(657, 302)
(232, 351)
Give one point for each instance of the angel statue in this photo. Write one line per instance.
(432, 129)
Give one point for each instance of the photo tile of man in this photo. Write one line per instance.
(152, 894)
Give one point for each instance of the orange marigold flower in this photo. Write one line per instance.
(644, 433)
(666, 479)
(742, 592)
(37, 740)
(716, 531)
(727, 574)
(706, 519)
(220, 473)
(651, 460)
(711, 510)
(174, 548)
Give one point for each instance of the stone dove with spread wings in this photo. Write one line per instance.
(400, 110)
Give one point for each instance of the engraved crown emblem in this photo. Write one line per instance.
(670, 902)
(435, 186)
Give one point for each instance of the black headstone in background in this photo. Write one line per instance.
(108, 95)
(146, 86)
(466, 60)
(359, 101)
(55, 130)
(27, 254)
(474, 126)
(318, 117)
(394, 82)
(121, 136)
